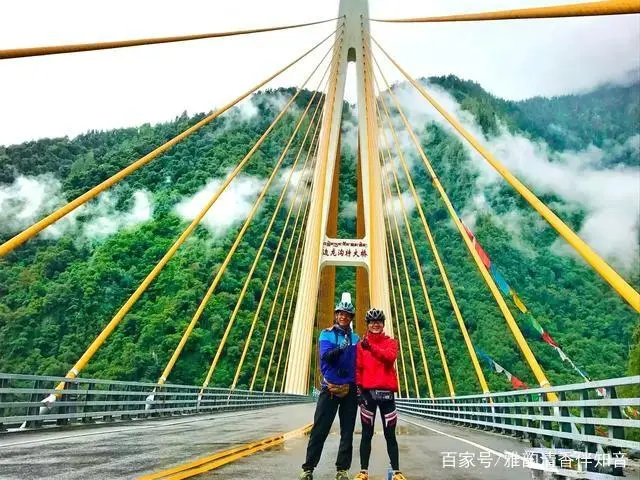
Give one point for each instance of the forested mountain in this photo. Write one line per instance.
(58, 290)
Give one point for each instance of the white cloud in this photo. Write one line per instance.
(248, 109)
(394, 206)
(128, 87)
(349, 209)
(26, 200)
(610, 197)
(30, 198)
(231, 207)
(349, 138)
(108, 220)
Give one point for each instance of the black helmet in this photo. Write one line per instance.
(345, 307)
(374, 314)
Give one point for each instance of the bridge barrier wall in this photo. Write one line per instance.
(589, 421)
(32, 401)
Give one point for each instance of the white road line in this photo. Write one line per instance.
(477, 445)
(123, 429)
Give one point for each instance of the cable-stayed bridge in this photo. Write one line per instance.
(76, 427)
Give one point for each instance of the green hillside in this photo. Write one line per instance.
(57, 293)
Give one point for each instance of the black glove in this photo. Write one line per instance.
(365, 343)
(361, 399)
(332, 355)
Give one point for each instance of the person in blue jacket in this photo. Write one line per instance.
(337, 351)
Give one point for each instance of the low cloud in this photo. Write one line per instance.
(349, 210)
(27, 200)
(231, 208)
(301, 178)
(349, 138)
(30, 198)
(394, 206)
(107, 220)
(608, 195)
(247, 110)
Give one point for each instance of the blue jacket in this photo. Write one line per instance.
(337, 365)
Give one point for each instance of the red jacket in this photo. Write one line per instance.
(375, 366)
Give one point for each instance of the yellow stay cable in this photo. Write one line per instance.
(416, 324)
(275, 257)
(313, 361)
(284, 337)
(587, 9)
(87, 47)
(416, 259)
(265, 237)
(388, 207)
(230, 253)
(515, 330)
(399, 334)
(284, 302)
(280, 278)
(294, 297)
(392, 330)
(389, 198)
(436, 254)
(286, 363)
(609, 274)
(93, 348)
(31, 231)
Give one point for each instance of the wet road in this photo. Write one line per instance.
(128, 450)
(420, 456)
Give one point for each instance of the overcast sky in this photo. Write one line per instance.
(69, 94)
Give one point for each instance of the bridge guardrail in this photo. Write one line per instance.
(30, 401)
(589, 420)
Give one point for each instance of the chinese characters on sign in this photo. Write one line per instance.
(336, 250)
(534, 458)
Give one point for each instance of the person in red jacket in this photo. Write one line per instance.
(376, 382)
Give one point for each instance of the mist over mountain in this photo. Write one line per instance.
(579, 153)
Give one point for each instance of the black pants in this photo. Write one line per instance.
(389, 416)
(327, 407)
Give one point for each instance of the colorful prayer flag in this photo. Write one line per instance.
(531, 328)
(517, 383)
(536, 326)
(500, 281)
(521, 306)
(485, 358)
(483, 255)
(563, 356)
(547, 338)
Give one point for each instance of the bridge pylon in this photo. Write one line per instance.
(321, 250)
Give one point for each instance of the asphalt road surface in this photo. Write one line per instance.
(428, 450)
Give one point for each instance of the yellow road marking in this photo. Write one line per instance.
(224, 457)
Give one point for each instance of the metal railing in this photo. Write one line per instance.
(31, 401)
(588, 422)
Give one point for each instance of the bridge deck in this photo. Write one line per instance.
(128, 450)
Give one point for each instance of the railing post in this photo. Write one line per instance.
(65, 400)
(85, 409)
(564, 426)
(487, 408)
(546, 424)
(588, 429)
(170, 398)
(159, 400)
(109, 407)
(4, 383)
(517, 421)
(531, 411)
(615, 432)
(35, 398)
(124, 397)
(496, 420)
